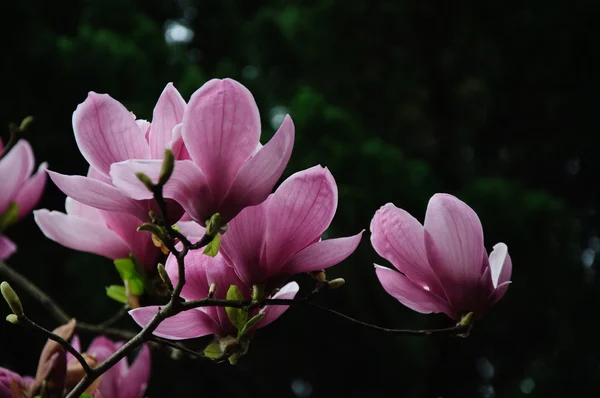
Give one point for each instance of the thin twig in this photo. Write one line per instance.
(64, 343)
(115, 318)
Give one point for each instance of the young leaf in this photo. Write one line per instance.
(251, 322)
(213, 247)
(237, 316)
(9, 217)
(128, 271)
(213, 351)
(117, 293)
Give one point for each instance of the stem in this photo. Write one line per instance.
(12, 140)
(64, 343)
(115, 318)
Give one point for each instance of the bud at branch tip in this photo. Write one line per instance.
(167, 167)
(12, 299)
(145, 180)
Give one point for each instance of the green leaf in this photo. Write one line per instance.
(237, 316)
(213, 351)
(128, 270)
(250, 324)
(9, 217)
(117, 293)
(84, 395)
(213, 247)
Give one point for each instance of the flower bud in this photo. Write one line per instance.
(162, 272)
(167, 167)
(213, 225)
(12, 318)
(336, 283)
(25, 123)
(145, 180)
(12, 299)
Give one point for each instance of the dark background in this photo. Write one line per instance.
(495, 102)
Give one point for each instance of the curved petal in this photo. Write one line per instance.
(272, 312)
(221, 127)
(196, 284)
(243, 243)
(168, 112)
(499, 292)
(89, 213)
(413, 296)
(322, 255)
(400, 238)
(134, 382)
(191, 230)
(454, 243)
(257, 177)
(101, 348)
(97, 194)
(500, 264)
(7, 247)
(187, 185)
(79, 234)
(106, 132)
(299, 212)
(185, 325)
(15, 167)
(139, 242)
(31, 191)
(223, 276)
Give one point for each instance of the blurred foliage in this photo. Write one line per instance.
(494, 102)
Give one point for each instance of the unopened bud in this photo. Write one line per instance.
(336, 283)
(162, 272)
(258, 293)
(213, 225)
(320, 276)
(167, 167)
(12, 318)
(467, 320)
(12, 299)
(145, 180)
(212, 289)
(25, 123)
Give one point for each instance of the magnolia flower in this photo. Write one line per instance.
(200, 272)
(100, 219)
(228, 169)
(443, 264)
(281, 236)
(123, 380)
(13, 385)
(20, 190)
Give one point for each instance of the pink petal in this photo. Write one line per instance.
(499, 292)
(185, 325)
(167, 114)
(89, 213)
(176, 144)
(196, 283)
(101, 348)
(134, 382)
(139, 242)
(454, 243)
(191, 230)
(187, 185)
(299, 212)
(79, 234)
(242, 245)
(7, 247)
(500, 264)
(221, 127)
(31, 191)
(97, 194)
(322, 255)
(223, 276)
(106, 133)
(15, 167)
(272, 312)
(400, 238)
(258, 175)
(415, 297)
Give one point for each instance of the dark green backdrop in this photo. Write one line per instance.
(495, 102)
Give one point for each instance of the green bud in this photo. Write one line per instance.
(162, 272)
(336, 283)
(258, 293)
(12, 318)
(167, 167)
(467, 320)
(25, 123)
(211, 290)
(145, 180)
(12, 299)
(213, 225)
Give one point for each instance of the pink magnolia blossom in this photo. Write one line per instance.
(124, 380)
(228, 169)
(201, 272)
(13, 385)
(443, 264)
(19, 187)
(281, 237)
(100, 219)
